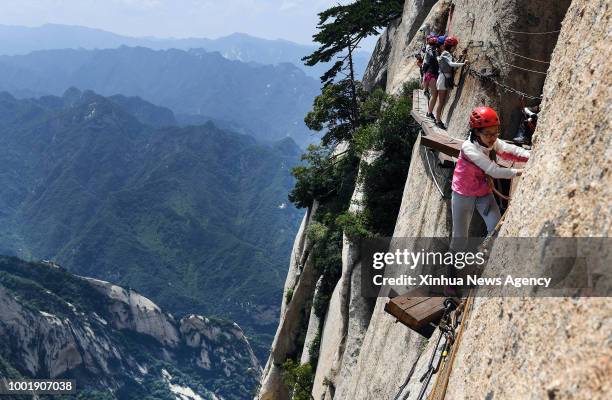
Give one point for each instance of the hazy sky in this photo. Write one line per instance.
(293, 20)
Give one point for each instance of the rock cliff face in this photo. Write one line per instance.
(113, 340)
(295, 311)
(554, 348)
(513, 347)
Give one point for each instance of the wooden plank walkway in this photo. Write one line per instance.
(433, 136)
(416, 309)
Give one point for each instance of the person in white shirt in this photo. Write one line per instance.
(470, 187)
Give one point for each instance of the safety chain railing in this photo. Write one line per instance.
(532, 33)
(448, 326)
(506, 88)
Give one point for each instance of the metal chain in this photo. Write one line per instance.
(506, 88)
(433, 176)
(449, 335)
(401, 389)
(533, 33)
(447, 330)
(524, 69)
(527, 58)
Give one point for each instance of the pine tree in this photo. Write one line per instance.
(341, 29)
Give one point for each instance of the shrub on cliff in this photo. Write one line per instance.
(392, 135)
(300, 378)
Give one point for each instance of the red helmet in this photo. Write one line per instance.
(451, 41)
(482, 117)
(432, 39)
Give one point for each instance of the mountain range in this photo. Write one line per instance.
(194, 217)
(269, 101)
(238, 46)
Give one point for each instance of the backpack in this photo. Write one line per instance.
(431, 62)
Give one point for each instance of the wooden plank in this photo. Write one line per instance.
(433, 137)
(443, 143)
(428, 311)
(416, 312)
(404, 302)
(398, 311)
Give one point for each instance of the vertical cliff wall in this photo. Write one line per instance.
(507, 350)
(296, 302)
(554, 348)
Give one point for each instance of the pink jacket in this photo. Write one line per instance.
(469, 178)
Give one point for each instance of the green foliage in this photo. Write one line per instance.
(312, 180)
(333, 111)
(315, 347)
(6, 369)
(288, 296)
(393, 135)
(331, 182)
(323, 177)
(342, 27)
(170, 212)
(385, 127)
(300, 378)
(354, 225)
(317, 232)
(50, 289)
(95, 395)
(327, 257)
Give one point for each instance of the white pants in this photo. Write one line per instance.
(462, 208)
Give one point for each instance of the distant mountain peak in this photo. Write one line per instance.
(238, 46)
(72, 93)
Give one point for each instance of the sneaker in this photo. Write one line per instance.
(430, 115)
(440, 125)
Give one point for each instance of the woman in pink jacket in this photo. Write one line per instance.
(470, 187)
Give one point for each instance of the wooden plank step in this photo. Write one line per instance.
(433, 137)
(443, 143)
(415, 317)
(416, 309)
